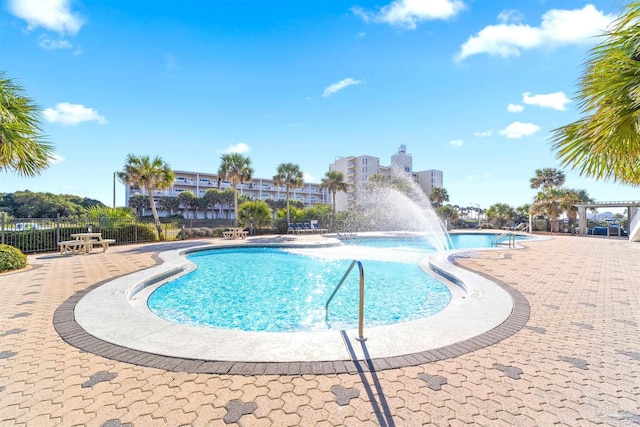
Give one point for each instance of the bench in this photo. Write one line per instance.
(102, 242)
(71, 246)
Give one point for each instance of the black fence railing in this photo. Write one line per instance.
(33, 235)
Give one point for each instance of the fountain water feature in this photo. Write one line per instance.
(396, 203)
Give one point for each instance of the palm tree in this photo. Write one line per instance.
(570, 198)
(438, 196)
(334, 182)
(237, 169)
(548, 178)
(149, 175)
(22, 148)
(605, 142)
(501, 213)
(289, 175)
(549, 203)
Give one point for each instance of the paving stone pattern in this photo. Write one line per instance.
(43, 379)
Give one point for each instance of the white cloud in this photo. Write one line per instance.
(558, 27)
(556, 100)
(239, 148)
(517, 130)
(54, 15)
(511, 15)
(308, 177)
(335, 87)
(73, 114)
(484, 134)
(456, 143)
(514, 108)
(407, 13)
(48, 43)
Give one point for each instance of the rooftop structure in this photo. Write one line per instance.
(358, 169)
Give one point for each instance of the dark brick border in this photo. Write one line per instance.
(71, 332)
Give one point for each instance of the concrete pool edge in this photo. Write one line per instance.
(274, 361)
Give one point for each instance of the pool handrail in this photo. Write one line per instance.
(361, 312)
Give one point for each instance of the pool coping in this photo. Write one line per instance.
(359, 355)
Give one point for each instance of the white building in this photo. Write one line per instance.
(258, 189)
(357, 170)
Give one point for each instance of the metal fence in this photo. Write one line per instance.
(33, 235)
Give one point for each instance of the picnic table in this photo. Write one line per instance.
(84, 243)
(235, 233)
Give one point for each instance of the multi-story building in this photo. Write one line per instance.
(357, 170)
(258, 189)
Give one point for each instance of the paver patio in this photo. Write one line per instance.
(576, 362)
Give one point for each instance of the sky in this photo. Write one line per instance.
(472, 88)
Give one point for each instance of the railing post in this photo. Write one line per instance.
(361, 313)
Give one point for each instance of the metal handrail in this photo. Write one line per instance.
(361, 313)
(512, 239)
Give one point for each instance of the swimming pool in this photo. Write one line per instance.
(117, 312)
(285, 290)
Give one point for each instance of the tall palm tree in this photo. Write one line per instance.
(237, 169)
(149, 175)
(289, 175)
(438, 196)
(22, 148)
(548, 178)
(605, 142)
(334, 182)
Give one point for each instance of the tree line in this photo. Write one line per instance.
(28, 204)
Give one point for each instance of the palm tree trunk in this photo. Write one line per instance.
(156, 218)
(235, 206)
(287, 194)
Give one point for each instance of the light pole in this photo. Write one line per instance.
(114, 190)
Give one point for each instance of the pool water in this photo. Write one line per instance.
(283, 290)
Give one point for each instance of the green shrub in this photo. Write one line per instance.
(11, 258)
(129, 233)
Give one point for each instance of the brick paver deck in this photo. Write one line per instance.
(576, 362)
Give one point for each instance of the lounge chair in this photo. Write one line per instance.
(307, 227)
(292, 228)
(316, 229)
(299, 227)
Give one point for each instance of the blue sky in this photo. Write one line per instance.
(472, 88)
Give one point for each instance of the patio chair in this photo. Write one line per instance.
(292, 228)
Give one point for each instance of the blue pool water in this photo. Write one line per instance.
(278, 289)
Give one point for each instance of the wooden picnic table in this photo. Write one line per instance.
(84, 242)
(235, 233)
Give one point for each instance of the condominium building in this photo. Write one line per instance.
(258, 189)
(358, 169)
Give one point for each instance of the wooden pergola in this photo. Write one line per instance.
(632, 209)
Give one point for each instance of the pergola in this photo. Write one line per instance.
(632, 209)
